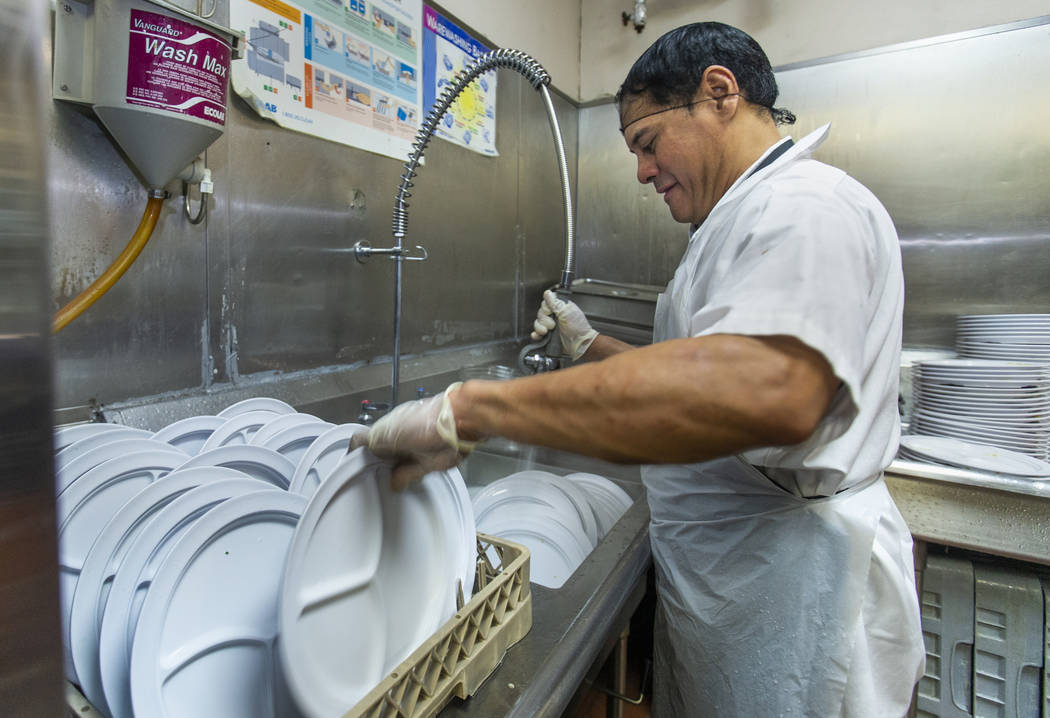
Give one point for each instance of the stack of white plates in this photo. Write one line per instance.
(1020, 337)
(560, 519)
(969, 455)
(998, 403)
(173, 545)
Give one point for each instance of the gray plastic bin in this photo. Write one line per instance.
(1009, 641)
(947, 631)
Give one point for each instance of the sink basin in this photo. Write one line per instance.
(500, 459)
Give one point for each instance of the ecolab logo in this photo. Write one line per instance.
(217, 114)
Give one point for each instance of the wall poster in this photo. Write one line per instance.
(447, 49)
(344, 70)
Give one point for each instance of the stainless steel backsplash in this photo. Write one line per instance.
(952, 135)
(267, 284)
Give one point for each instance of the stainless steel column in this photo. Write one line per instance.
(30, 658)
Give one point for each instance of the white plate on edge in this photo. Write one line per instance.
(96, 439)
(134, 575)
(189, 434)
(66, 435)
(82, 510)
(976, 456)
(258, 403)
(221, 662)
(106, 555)
(581, 502)
(455, 493)
(521, 489)
(295, 441)
(349, 617)
(322, 457)
(239, 429)
(555, 553)
(256, 461)
(278, 424)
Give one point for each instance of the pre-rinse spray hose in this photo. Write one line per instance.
(114, 271)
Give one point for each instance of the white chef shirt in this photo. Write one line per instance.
(809, 252)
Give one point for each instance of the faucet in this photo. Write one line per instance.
(370, 411)
(539, 79)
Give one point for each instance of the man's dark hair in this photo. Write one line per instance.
(670, 71)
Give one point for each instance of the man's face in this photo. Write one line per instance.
(679, 151)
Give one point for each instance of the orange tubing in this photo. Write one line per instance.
(114, 271)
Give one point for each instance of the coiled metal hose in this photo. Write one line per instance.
(525, 65)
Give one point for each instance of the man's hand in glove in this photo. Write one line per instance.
(576, 332)
(420, 436)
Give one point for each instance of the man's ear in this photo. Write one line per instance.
(720, 83)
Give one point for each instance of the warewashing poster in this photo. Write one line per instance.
(447, 49)
(344, 70)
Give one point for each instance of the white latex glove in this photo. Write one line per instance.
(575, 331)
(419, 435)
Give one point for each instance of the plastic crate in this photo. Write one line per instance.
(457, 659)
(947, 632)
(1008, 643)
(1046, 648)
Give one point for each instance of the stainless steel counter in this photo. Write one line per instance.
(998, 515)
(570, 625)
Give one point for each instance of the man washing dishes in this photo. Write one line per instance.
(764, 412)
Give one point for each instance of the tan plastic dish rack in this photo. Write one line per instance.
(457, 659)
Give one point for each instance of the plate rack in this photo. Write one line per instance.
(459, 657)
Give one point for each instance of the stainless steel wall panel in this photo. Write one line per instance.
(143, 336)
(952, 138)
(464, 208)
(626, 233)
(30, 648)
(542, 217)
(269, 282)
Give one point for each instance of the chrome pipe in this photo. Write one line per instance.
(525, 65)
(563, 167)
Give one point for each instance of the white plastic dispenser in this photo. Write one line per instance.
(155, 74)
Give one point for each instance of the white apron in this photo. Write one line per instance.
(765, 598)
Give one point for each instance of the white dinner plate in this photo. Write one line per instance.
(981, 436)
(82, 510)
(450, 487)
(976, 456)
(512, 493)
(239, 429)
(555, 553)
(105, 556)
(258, 403)
(321, 458)
(582, 503)
(220, 662)
(348, 617)
(256, 461)
(279, 423)
(293, 442)
(189, 434)
(610, 502)
(94, 440)
(1006, 427)
(132, 581)
(983, 396)
(66, 435)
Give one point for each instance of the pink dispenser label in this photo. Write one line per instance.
(177, 66)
